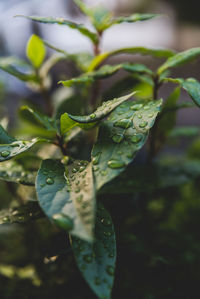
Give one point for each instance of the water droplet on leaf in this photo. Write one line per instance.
(115, 164)
(110, 270)
(143, 124)
(5, 154)
(118, 138)
(63, 221)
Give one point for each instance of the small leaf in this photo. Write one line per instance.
(60, 21)
(4, 137)
(120, 138)
(180, 59)
(99, 16)
(8, 151)
(97, 261)
(68, 121)
(12, 172)
(35, 51)
(190, 131)
(137, 68)
(191, 85)
(134, 18)
(62, 202)
(159, 53)
(102, 73)
(17, 68)
(38, 119)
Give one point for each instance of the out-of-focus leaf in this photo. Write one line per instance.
(104, 72)
(121, 137)
(60, 21)
(4, 137)
(35, 51)
(190, 131)
(12, 172)
(61, 203)
(158, 53)
(8, 151)
(23, 214)
(17, 68)
(137, 68)
(191, 85)
(180, 59)
(38, 119)
(97, 261)
(133, 18)
(68, 121)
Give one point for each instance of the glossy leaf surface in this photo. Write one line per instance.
(97, 261)
(35, 51)
(120, 138)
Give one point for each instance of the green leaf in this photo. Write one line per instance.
(23, 214)
(97, 261)
(60, 21)
(68, 121)
(61, 200)
(137, 68)
(17, 68)
(35, 51)
(191, 85)
(99, 16)
(8, 151)
(120, 138)
(102, 73)
(158, 53)
(134, 18)
(190, 131)
(38, 119)
(12, 172)
(180, 59)
(4, 137)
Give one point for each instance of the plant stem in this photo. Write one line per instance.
(60, 143)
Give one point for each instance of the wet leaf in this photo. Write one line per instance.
(8, 151)
(60, 196)
(35, 51)
(97, 261)
(10, 171)
(121, 137)
(180, 59)
(60, 21)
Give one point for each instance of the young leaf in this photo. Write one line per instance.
(159, 53)
(99, 16)
(191, 85)
(8, 151)
(68, 121)
(4, 137)
(137, 68)
(97, 261)
(12, 172)
(35, 51)
(17, 68)
(126, 128)
(61, 202)
(134, 18)
(104, 72)
(60, 21)
(180, 59)
(38, 119)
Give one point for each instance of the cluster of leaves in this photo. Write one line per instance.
(68, 186)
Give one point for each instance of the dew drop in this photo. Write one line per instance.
(50, 181)
(103, 172)
(97, 281)
(136, 138)
(95, 159)
(146, 107)
(79, 198)
(151, 115)
(92, 116)
(5, 154)
(118, 138)
(136, 107)
(123, 123)
(139, 116)
(115, 164)
(110, 270)
(143, 124)
(74, 170)
(63, 221)
(106, 222)
(82, 168)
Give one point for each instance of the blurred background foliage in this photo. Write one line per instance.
(155, 212)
